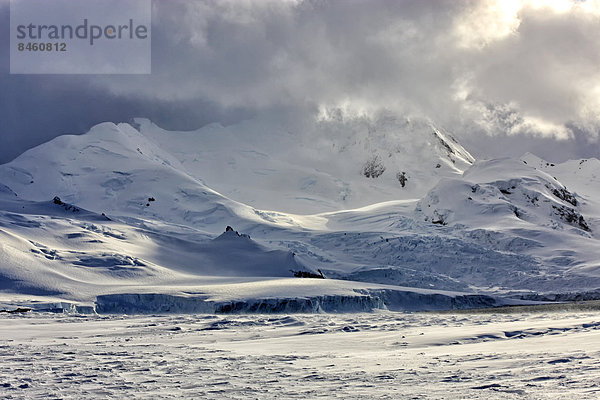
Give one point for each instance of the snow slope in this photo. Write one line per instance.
(132, 216)
(114, 169)
(53, 252)
(582, 177)
(511, 206)
(319, 166)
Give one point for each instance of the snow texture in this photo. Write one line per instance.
(347, 356)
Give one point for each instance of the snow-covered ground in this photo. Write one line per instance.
(348, 356)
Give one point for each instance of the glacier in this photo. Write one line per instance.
(128, 210)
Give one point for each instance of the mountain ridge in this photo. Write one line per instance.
(146, 220)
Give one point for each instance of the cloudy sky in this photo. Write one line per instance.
(505, 77)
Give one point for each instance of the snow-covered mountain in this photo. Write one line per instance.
(332, 163)
(516, 208)
(133, 210)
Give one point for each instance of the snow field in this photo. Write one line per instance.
(349, 356)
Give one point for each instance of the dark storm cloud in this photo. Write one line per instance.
(37, 108)
(505, 77)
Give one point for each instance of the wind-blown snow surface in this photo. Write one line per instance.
(135, 218)
(345, 356)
